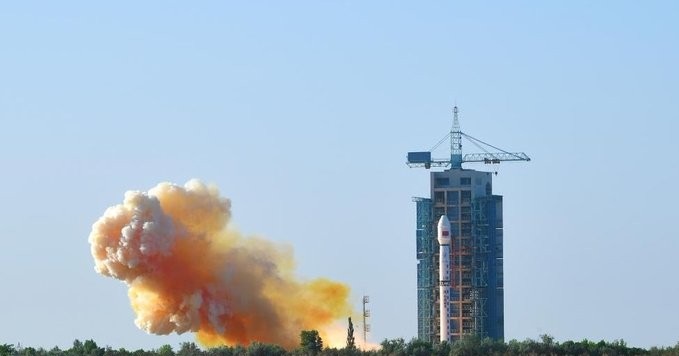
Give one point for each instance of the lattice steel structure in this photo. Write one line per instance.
(487, 261)
(427, 274)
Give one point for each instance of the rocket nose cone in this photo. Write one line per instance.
(444, 231)
(444, 223)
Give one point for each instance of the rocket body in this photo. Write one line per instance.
(444, 275)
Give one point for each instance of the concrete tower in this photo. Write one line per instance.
(476, 304)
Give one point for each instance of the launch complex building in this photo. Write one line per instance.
(475, 299)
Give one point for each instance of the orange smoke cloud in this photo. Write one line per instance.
(187, 271)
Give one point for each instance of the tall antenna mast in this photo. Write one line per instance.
(366, 314)
(455, 141)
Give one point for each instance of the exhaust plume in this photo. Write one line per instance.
(188, 272)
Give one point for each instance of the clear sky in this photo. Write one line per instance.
(302, 113)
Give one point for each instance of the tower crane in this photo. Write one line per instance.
(490, 154)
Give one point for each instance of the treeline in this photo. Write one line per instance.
(396, 347)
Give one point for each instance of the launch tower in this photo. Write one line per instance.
(465, 197)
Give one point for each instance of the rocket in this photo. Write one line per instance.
(444, 275)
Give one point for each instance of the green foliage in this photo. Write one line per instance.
(441, 349)
(165, 350)
(259, 349)
(123, 352)
(344, 352)
(90, 348)
(311, 344)
(6, 349)
(394, 347)
(417, 347)
(310, 341)
(189, 349)
(30, 351)
(77, 348)
(227, 351)
(351, 344)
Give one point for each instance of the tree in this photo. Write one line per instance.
(351, 344)
(189, 349)
(77, 348)
(29, 351)
(259, 349)
(123, 352)
(6, 349)
(395, 347)
(223, 350)
(470, 345)
(165, 350)
(441, 348)
(91, 348)
(417, 347)
(311, 341)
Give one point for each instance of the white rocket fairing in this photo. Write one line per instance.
(444, 275)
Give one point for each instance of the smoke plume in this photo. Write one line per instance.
(188, 272)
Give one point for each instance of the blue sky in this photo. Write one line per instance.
(302, 114)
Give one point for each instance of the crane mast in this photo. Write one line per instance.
(490, 155)
(455, 142)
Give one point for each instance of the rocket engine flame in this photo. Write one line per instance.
(188, 272)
